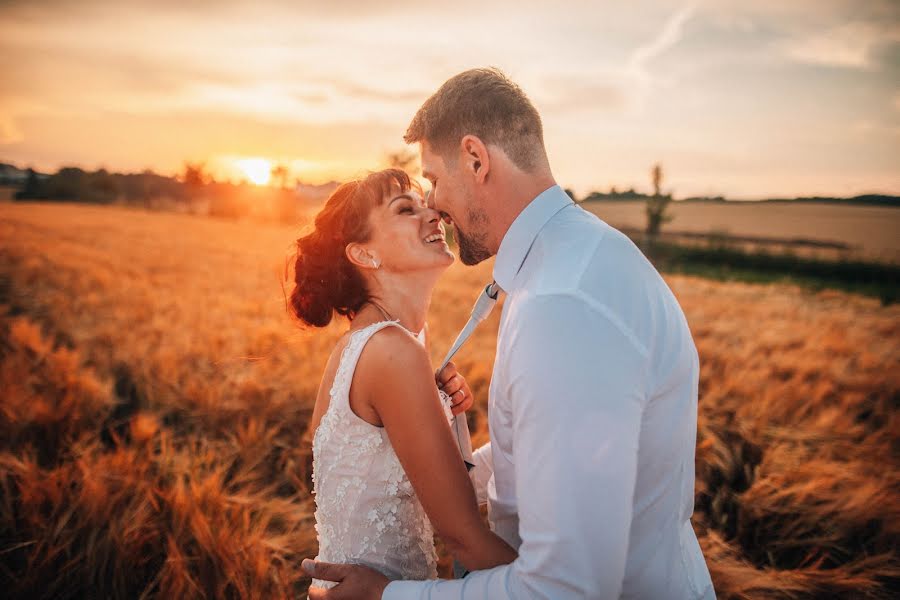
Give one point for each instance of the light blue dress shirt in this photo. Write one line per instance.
(593, 421)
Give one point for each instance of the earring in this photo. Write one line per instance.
(375, 264)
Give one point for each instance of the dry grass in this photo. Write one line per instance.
(155, 396)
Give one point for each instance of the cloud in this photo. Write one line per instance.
(162, 61)
(9, 131)
(339, 81)
(356, 90)
(568, 93)
(849, 45)
(667, 37)
(343, 10)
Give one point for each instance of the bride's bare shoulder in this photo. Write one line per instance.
(391, 346)
(391, 368)
(392, 353)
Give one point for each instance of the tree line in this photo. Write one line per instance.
(194, 191)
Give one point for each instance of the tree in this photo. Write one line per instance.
(194, 175)
(32, 188)
(657, 204)
(68, 183)
(405, 160)
(102, 187)
(279, 175)
(284, 201)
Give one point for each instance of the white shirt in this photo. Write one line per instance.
(593, 422)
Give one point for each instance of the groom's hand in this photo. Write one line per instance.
(354, 581)
(455, 385)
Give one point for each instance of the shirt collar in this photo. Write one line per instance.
(521, 234)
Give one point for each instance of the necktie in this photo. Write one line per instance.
(483, 307)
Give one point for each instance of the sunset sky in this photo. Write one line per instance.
(744, 99)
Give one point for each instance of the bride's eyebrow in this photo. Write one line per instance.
(403, 197)
(412, 199)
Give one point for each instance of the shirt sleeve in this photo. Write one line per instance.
(576, 383)
(482, 472)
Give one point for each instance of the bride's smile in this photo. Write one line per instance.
(407, 235)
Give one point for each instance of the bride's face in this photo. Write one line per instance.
(407, 235)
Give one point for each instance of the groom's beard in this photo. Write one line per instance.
(472, 247)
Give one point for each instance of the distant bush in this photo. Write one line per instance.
(74, 184)
(721, 260)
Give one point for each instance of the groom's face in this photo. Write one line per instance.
(454, 196)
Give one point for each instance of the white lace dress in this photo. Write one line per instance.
(366, 510)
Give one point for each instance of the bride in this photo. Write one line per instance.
(386, 469)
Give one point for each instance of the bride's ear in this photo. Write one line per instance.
(361, 257)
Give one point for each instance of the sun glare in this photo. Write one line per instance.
(256, 170)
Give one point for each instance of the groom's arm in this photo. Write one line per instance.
(576, 379)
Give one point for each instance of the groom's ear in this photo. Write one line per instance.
(476, 158)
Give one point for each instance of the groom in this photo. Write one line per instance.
(593, 401)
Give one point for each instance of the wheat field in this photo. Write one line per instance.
(869, 232)
(155, 395)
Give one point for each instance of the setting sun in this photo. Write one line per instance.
(256, 170)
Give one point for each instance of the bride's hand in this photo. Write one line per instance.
(455, 386)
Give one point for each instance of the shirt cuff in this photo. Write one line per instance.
(482, 473)
(403, 590)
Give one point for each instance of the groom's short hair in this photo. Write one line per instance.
(487, 104)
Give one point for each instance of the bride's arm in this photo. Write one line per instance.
(395, 378)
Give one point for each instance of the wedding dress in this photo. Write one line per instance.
(367, 512)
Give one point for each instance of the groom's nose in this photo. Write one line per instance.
(429, 202)
(431, 215)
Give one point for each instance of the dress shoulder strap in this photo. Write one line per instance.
(340, 389)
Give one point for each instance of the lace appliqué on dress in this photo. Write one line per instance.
(366, 510)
